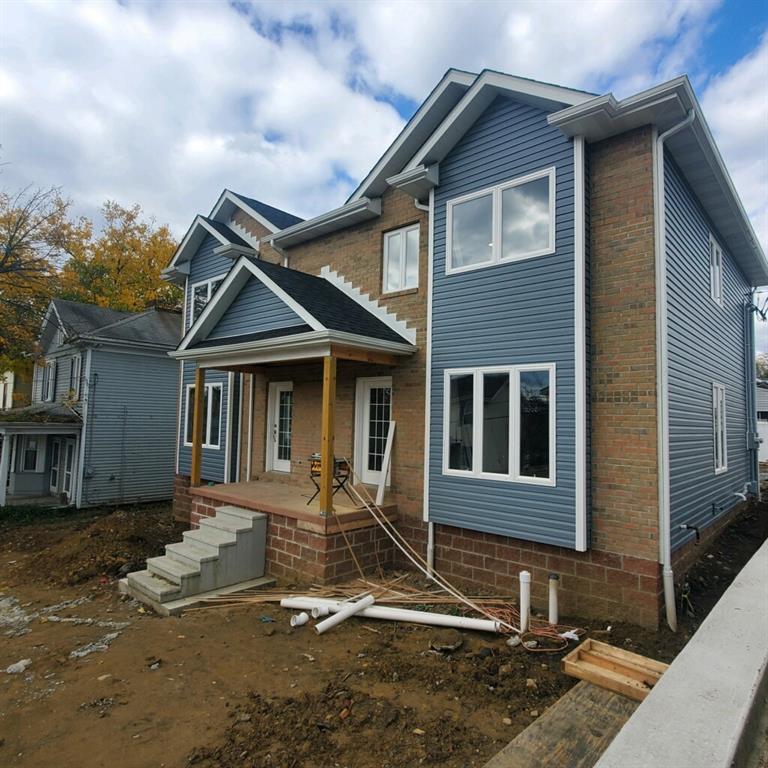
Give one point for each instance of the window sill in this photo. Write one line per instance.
(404, 292)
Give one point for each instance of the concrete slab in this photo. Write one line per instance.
(175, 607)
(702, 711)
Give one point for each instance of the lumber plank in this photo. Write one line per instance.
(573, 732)
(635, 658)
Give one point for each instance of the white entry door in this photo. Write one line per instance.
(69, 463)
(55, 466)
(373, 412)
(279, 426)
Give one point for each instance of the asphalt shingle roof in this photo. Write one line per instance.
(83, 318)
(243, 338)
(226, 232)
(281, 219)
(329, 305)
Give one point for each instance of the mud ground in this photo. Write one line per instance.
(237, 687)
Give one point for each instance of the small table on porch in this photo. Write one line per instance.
(341, 474)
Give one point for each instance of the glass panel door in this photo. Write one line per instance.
(374, 412)
(55, 461)
(279, 426)
(69, 461)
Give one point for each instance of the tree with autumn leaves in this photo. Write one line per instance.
(46, 253)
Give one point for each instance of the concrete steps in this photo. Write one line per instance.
(226, 549)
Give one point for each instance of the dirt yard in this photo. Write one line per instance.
(111, 684)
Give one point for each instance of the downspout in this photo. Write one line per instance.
(662, 368)
(750, 394)
(419, 205)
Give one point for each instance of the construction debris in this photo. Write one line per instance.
(100, 645)
(18, 667)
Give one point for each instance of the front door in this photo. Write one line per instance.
(69, 463)
(373, 414)
(279, 426)
(55, 466)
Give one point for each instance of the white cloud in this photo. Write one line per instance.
(167, 103)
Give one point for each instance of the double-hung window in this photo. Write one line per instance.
(400, 267)
(75, 367)
(509, 222)
(32, 457)
(49, 381)
(202, 293)
(212, 402)
(719, 428)
(499, 423)
(715, 271)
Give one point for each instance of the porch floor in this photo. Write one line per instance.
(290, 500)
(35, 501)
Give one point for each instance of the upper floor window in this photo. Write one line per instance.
(49, 381)
(202, 293)
(499, 423)
(75, 368)
(719, 428)
(401, 259)
(509, 222)
(212, 401)
(715, 271)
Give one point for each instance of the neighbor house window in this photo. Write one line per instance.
(49, 381)
(401, 259)
(212, 400)
(75, 367)
(499, 423)
(32, 453)
(202, 293)
(719, 428)
(509, 222)
(715, 271)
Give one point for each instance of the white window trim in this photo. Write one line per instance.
(209, 282)
(496, 197)
(360, 449)
(403, 232)
(716, 274)
(75, 367)
(207, 416)
(513, 475)
(719, 390)
(39, 457)
(49, 381)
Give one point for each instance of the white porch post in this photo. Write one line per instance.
(5, 465)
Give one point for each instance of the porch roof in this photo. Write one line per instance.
(40, 418)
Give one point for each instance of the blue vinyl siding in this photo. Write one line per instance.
(205, 265)
(130, 427)
(506, 314)
(254, 309)
(707, 343)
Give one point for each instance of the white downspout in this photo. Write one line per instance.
(662, 368)
(430, 548)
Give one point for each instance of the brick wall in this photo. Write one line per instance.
(297, 551)
(182, 500)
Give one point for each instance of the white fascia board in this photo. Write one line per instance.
(232, 285)
(192, 239)
(347, 215)
(221, 212)
(232, 251)
(417, 182)
(485, 89)
(453, 80)
(49, 428)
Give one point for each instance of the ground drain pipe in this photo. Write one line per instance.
(394, 614)
(344, 612)
(525, 600)
(554, 580)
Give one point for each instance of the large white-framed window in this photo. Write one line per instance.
(49, 381)
(400, 264)
(202, 293)
(212, 406)
(509, 222)
(719, 428)
(715, 271)
(32, 454)
(499, 423)
(75, 368)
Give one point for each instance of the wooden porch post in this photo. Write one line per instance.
(197, 426)
(326, 446)
(5, 464)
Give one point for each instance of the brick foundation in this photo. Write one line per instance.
(313, 551)
(182, 499)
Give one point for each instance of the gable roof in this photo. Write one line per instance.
(280, 219)
(154, 327)
(323, 309)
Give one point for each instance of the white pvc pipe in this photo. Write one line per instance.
(344, 612)
(525, 600)
(299, 620)
(319, 611)
(396, 614)
(554, 580)
(430, 549)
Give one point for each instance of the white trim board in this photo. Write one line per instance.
(428, 382)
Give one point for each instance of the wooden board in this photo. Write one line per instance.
(624, 672)
(574, 732)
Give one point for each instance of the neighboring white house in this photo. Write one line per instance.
(761, 402)
(15, 389)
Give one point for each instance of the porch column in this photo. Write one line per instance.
(5, 465)
(197, 427)
(326, 445)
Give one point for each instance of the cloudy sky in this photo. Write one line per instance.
(166, 103)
